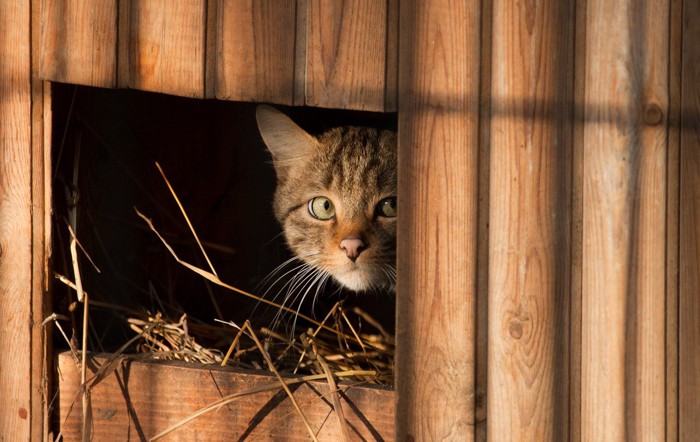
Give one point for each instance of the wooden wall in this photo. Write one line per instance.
(314, 52)
(549, 177)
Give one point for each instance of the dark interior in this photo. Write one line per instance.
(214, 157)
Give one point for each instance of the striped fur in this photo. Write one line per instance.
(355, 167)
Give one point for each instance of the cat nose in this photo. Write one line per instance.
(352, 247)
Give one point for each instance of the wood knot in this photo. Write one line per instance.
(23, 414)
(515, 328)
(653, 115)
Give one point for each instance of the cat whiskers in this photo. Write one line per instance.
(306, 275)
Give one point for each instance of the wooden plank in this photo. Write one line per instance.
(211, 54)
(255, 51)
(689, 286)
(15, 221)
(41, 306)
(575, 316)
(672, 222)
(482, 260)
(79, 41)
(438, 147)
(529, 250)
(346, 54)
(165, 46)
(300, 52)
(391, 89)
(624, 220)
(141, 399)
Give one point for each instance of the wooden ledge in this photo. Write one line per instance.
(139, 399)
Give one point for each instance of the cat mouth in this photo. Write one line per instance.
(358, 278)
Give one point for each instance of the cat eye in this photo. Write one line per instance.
(387, 207)
(321, 208)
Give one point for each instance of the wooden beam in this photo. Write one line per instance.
(624, 220)
(16, 221)
(689, 288)
(141, 399)
(437, 245)
(530, 218)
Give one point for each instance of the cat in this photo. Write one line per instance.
(336, 200)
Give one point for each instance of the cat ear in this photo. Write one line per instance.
(287, 142)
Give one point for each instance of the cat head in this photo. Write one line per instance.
(336, 198)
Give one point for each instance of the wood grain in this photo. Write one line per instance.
(162, 46)
(624, 220)
(672, 222)
(15, 221)
(437, 245)
(141, 399)
(256, 43)
(79, 41)
(482, 260)
(41, 210)
(346, 54)
(576, 293)
(391, 89)
(689, 287)
(530, 216)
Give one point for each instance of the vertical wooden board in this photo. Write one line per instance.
(79, 41)
(165, 45)
(346, 54)
(392, 57)
(437, 245)
(255, 51)
(482, 260)
(15, 221)
(689, 287)
(624, 220)
(577, 228)
(672, 223)
(530, 213)
(41, 236)
(300, 52)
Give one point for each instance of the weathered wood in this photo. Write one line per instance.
(141, 399)
(79, 41)
(256, 43)
(438, 147)
(624, 220)
(15, 221)
(162, 45)
(346, 54)
(531, 152)
(689, 287)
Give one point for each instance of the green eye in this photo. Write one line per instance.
(321, 208)
(387, 207)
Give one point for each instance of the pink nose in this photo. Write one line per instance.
(352, 247)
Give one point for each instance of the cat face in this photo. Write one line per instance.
(336, 198)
